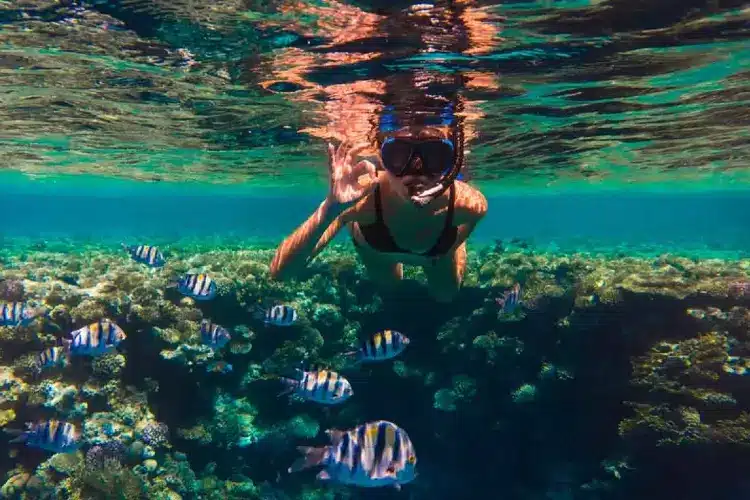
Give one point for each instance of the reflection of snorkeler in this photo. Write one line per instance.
(411, 211)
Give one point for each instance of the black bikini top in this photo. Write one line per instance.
(379, 237)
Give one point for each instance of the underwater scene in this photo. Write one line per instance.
(375, 249)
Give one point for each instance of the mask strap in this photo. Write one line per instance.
(388, 122)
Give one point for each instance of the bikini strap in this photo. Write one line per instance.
(378, 205)
(451, 208)
(448, 234)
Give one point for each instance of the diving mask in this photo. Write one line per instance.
(436, 155)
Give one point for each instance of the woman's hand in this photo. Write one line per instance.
(348, 183)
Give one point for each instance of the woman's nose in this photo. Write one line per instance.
(416, 163)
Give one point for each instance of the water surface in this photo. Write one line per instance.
(554, 92)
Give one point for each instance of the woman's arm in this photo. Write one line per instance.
(471, 207)
(303, 244)
(346, 189)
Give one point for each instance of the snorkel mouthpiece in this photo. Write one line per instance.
(423, 198)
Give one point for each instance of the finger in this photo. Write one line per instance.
(364, 167)
(331, 159)
(379, 161)
(365, 173)
(342, 149)
(355, 150)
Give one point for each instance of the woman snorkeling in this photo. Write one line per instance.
(408, 205)
(410, 209)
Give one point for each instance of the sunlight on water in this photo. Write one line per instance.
(552, 92)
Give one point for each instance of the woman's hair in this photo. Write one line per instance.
(420, 98)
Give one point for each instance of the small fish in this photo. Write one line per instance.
(370, 455)
(18, 313)
(510, 299)
(95, 339)
(740, 288)
(321, 386)
(278, 315)
(145, 254)
(380, 346)
(52, 357)
(219, 367)
(214, 335)
(197, 286)
(51, 435)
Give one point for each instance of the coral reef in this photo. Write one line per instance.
(636, 359)
(703, 396)
(11, 290)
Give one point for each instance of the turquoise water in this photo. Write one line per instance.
(610, 139)
(704, 223)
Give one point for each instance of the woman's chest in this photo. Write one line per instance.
(415, 235)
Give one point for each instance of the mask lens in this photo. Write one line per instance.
(437, 155)
(396, 155)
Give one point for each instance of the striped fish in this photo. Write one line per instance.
(380, 346)
(51, 435)
(18, 313)
(146, 254)
(197, 286)
(95, 339)
(280, 315)
(510, 299)
(321, 386)
(214, 335)
(370, 455)
(51, 357)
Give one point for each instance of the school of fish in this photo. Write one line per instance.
(369, 455)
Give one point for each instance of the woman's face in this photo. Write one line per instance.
(418, 179)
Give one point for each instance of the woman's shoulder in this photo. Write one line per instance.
(470, 202)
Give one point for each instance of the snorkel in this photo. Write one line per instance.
(389, 124)
(428, 195)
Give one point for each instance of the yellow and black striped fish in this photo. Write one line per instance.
(510, 299)
(197, 286)
(214, 335)
(51, 357)
(51, 435)
(277, 315)
(95, 339)
(380, 346)
(146, 254)
(18, 313)
(321, 386)
(370, 455)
